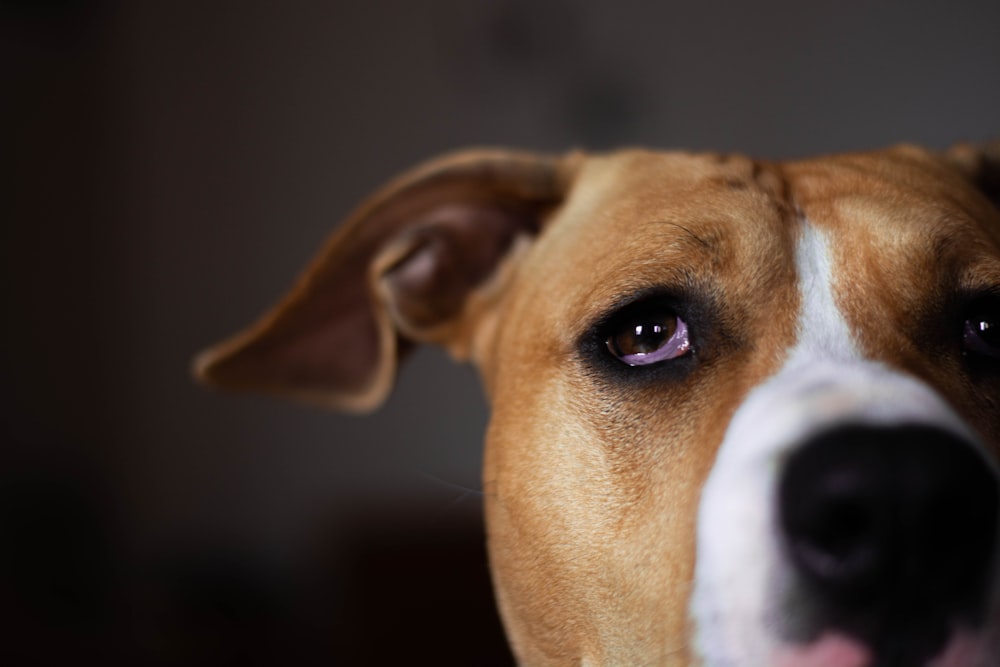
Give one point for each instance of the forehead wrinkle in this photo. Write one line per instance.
(981, 276)
(943, 240)
(708, 245)
(678, 262)
(689, 249)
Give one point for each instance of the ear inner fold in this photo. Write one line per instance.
(427, 275)
(403, 263)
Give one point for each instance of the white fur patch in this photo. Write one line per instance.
(825, 380)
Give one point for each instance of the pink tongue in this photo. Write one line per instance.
(830, 650)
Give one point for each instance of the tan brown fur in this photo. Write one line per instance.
(592, 487)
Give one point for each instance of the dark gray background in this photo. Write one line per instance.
(169, 167)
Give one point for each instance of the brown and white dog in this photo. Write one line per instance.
(744, 413)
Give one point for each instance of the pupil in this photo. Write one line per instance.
(649, 337)
(642, 330)
(988, 331)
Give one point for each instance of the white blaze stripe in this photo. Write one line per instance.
(822, 331)
(825, 380)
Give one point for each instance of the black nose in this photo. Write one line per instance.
(892, 525)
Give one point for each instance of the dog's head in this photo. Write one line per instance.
(743, 413)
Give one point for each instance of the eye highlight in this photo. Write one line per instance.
(649, 337)
(982, 328)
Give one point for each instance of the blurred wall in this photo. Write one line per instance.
(168, 168)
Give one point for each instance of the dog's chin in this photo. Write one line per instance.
(967, 649)
(833, 649)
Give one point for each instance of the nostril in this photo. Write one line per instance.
(833, 518)
(896, 525)
(839, 543)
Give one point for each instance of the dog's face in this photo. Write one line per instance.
(742, 413)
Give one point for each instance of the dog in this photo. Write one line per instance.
(743, 413)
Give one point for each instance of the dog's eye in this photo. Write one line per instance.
(649, 337)
(982, 328)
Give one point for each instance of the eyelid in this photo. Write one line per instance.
(634, 304)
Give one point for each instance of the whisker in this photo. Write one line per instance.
(466, 491)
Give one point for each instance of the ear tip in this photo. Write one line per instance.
(228, 367)
(225, 365)
(214, 367)
(205, 367)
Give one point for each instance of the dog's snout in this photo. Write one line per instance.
(891, 523)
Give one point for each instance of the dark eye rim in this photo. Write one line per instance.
(593, 348)
(973, 346)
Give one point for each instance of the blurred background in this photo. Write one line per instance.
(167, 169)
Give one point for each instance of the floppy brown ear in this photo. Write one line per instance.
(399, 270)
(981, 162)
